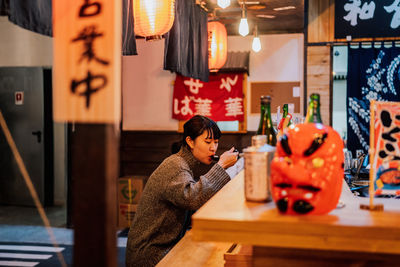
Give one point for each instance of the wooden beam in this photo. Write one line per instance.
(94, 172)
(87, 94)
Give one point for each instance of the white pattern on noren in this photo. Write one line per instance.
(375, 90)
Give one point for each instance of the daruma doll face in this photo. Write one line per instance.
(307, 170)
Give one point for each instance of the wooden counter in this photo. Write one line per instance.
(196, 254)
(344, 233)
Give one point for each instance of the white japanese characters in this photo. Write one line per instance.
(201, 107)
(366, 11)
(194, 85)
(185, 109)
(358, 10)
(221, 98)
(234, 106)
(228, 83)
(394, 7)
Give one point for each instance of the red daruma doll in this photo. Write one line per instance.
(307, 170)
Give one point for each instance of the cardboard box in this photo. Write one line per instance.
(130, 189)
(126, 213)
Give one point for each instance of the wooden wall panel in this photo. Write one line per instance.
(142, 151)
(321, 21)
(319, 78)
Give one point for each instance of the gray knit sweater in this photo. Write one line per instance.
(171, 191)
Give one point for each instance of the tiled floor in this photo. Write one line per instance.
(19, 215)
(22, 226)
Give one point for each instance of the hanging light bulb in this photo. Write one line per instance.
(243, 26)
(256, 46)
(223, 3)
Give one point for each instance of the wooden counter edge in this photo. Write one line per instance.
(195, 253)
(377, 237)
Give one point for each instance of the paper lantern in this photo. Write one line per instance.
(153, 18)
(217, 45)
(307, 170)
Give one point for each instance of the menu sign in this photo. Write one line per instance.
(220, 99)
(387, 147)
(367, 18)
(87, 55)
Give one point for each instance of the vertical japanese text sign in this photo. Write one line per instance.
(87, 61)
(387, 147)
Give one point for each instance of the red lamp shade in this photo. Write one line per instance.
(217, 45)
(153, 18)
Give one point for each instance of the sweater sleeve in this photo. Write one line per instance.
(235, 169)
(183, 191)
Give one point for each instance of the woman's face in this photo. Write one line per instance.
(203, 148)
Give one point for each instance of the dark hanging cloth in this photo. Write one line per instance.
(373, 73)
(128, 35)
(186, 44)
(36, 16)
(33, 15)
(4, 7)
(236, 61)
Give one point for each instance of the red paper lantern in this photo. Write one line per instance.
(153, 18)
(217, 45)
(307, 170)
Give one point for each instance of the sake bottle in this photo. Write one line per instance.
(313, 112)
(285, 121)
(265, 127)
(285, 113)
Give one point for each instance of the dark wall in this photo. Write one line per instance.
(142, 151)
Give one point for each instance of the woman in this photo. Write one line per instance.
(172, 192)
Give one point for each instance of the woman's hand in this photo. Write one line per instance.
(228, 158)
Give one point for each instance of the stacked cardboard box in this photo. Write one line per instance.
(130, 190)
(126, 213)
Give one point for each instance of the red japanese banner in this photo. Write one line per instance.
(220, 99)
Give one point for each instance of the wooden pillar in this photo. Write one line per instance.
(87, 94)
(319, 76)
(320, 31)
(94, 172)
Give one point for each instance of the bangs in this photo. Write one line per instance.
(213, 131)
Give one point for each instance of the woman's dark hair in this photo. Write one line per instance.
(197, 125)
(194, 128)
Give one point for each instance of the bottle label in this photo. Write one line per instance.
(256, 176)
